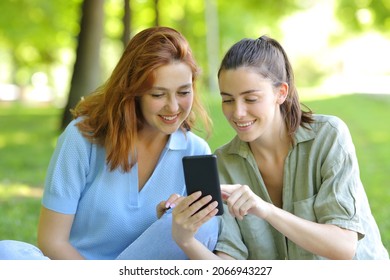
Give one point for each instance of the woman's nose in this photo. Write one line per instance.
(173, 104)
(239, 110)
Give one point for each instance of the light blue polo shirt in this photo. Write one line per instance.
(110, 212)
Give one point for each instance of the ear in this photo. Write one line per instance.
(282, 93)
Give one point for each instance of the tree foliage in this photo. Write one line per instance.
(363, 15)
(33, 32)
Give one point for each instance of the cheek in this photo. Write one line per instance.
(151, 106)
(226, 110)
(186, 103)
(149, 110)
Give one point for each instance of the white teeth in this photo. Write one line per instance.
(169, 118)
(244, 124)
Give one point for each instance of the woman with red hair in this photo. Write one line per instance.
(119, 160)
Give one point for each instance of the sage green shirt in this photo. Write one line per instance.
(321, 183)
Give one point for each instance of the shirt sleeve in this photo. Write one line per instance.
(338, 197)
(67, 171)
(230, 240)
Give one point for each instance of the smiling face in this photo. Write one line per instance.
(168, 103)
(251, 104)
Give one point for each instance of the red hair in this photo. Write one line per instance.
(112, 114)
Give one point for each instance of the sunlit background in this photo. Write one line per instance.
(328, 55)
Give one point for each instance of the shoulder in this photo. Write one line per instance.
(328, 122)
(72, 128)
(331, 133)
(331, 127)
(72, 136)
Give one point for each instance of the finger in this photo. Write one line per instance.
(241, 205)
(176, 201)
(184, 203)
(198, 204)
(225, 196)
(233, 198)
(202, 216)
(160, 210)
(234, 210)
(170, 202)
(206, 218)
(240, 202)
(206, 211)
(239, 190)
(160, 206)
(229, 188)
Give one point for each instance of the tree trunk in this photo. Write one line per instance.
(86, 72)
(157, 13)
(126, 23)
(212, 42)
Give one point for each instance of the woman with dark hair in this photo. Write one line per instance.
(120, 160)
(290, 178)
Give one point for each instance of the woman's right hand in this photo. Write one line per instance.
(186, 218)
(241, 200)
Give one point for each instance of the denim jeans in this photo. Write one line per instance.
(155, 243)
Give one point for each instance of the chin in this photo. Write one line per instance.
(169, 131)
(245, 138)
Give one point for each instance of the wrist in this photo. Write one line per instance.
(186, 243)
(265, 210)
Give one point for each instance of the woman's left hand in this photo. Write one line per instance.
(164, 205)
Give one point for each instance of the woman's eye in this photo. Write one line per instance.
(251, 100)
(157, 95)
(227, 100)
(186, 92)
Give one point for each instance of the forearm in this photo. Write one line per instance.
(60, 251)
(53, 236)
(325, 240)
(195, 250)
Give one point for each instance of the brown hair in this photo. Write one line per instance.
(112, 114)
(269, 59)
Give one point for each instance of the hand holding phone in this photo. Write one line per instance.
(201, 174)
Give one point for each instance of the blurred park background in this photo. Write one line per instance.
(54, 52)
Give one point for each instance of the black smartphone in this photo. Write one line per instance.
(201, 174)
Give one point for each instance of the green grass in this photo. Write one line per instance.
(28, 136)
(27, 139)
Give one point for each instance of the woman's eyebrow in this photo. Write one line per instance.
(225, 93)
(180, 87)
(241, 93)
(186, 85)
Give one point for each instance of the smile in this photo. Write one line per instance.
(169, 118)
(244, 124)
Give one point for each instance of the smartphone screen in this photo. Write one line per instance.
(201, 174)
